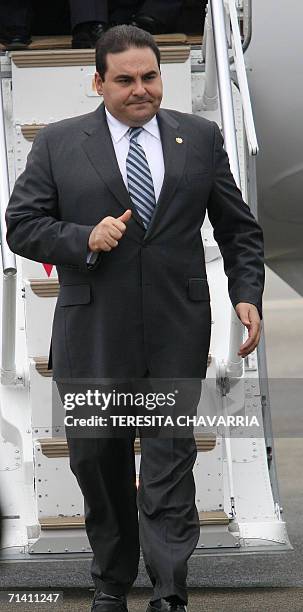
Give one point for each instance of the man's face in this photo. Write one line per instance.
(132, 87)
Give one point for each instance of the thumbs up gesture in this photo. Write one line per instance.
(106, 235)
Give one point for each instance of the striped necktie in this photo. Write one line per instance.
(139, 178)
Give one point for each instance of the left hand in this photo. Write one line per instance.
(248, 314)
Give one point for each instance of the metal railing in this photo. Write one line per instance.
(217, 74)
(8, 364)
(231, 370)
(210, 99)
(217, 15)
(242, 81)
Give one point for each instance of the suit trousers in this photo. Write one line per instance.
(160, 515)
(90, 10)
(122, 11)
(17, 15)
(166, 12)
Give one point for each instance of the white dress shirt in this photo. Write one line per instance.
(150, 140)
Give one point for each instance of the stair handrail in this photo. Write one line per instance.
(251, 135)
(235, 366)
(209, 96)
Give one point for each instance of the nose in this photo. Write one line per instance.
(139, 89)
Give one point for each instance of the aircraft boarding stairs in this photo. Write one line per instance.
(236, 487)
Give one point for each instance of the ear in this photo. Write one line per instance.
(98, 84)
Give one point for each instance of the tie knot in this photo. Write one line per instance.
(134, 132)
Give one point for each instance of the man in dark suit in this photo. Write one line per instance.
(116, 200)
(89, 19)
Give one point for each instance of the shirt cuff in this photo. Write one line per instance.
(91, 257)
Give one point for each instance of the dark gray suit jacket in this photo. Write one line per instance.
(145, 304)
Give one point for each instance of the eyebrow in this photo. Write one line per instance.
(128, 76)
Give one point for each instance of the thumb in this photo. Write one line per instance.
(243, 315)
(126, 216)
(246, 320)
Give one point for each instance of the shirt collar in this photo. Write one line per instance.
(118, 129)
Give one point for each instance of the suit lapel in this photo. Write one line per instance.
(174, 153)
(101, 154)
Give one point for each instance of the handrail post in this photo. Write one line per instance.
(210, 94)
(8, 258)
(8, 365)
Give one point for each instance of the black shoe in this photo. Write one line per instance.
(150, 24)
(108, 603)
(86, 35)
(19, 39)
(166, 606)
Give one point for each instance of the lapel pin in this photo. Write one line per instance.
(179, 140)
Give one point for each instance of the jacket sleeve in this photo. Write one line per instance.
(239, 236)
(34, 228)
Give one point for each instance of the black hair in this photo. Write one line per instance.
(119, 39)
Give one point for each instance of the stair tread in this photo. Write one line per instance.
(215, 517)
(40, 43)
(57, 447)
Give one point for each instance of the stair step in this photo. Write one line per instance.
(57, 447)
(41, 363)
(61, 522)
(170, 53)
(45, 43)
(48, 287)
(30, 130)
(214, 517)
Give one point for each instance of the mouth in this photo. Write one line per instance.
(139, 103)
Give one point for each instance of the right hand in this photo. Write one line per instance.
(106, 235)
